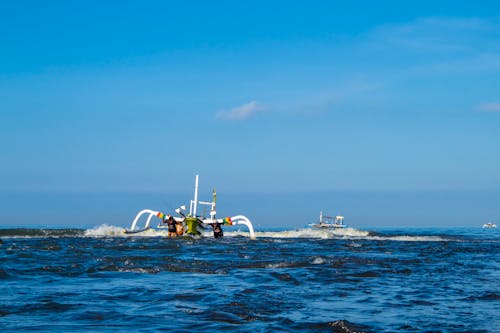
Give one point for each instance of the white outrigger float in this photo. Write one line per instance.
(329, 221)
(191, 218)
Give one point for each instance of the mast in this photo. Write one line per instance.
(212, 209)
(195, 196)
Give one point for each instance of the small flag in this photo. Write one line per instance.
(160, 215)
(227, 220)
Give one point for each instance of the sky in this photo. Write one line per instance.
(264, 99)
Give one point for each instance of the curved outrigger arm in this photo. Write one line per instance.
(148, 221)
(241, 219)
(234, 220)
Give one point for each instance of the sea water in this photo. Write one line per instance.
(304, 280)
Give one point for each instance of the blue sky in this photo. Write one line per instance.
(257, 97)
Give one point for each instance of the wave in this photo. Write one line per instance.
(40, 232)
(346, 233)
(107, 231)
(115, 231)
(314, 233)
(344, 326)
(408, 238)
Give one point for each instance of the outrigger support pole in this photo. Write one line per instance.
(240, 219)
(148, 221)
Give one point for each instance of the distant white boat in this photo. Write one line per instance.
(329, 221)
(489, 225)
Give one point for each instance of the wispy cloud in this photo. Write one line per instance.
(437, 47)
(325, 100)
(241, 112)
(437, 34)
(489, 107)
(388, 59)
(312, 103)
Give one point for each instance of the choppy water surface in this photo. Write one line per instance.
(296, 280)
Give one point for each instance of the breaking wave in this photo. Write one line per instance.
(40, 232)
(346, 233)
(106, 231)
(314, 233)
(116, 231)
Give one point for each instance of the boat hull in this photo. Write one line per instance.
(328, 226)
(136, 231)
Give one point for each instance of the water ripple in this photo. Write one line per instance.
(69, 281)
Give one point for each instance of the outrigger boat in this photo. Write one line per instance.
(489, 225)
(191, 218)
(329, 221)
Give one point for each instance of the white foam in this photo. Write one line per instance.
(408, 238)
(104, 230)
(278, 265)
(114, 231)
(318, 261)
(314, 233)
(140, 270)
(344, 233)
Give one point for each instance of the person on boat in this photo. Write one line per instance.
(217, 227)
(172, 230)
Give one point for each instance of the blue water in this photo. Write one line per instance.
(409, 280)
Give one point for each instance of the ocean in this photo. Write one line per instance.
(297, 280)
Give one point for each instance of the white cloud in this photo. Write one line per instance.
(241, 112)
(489, 107)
